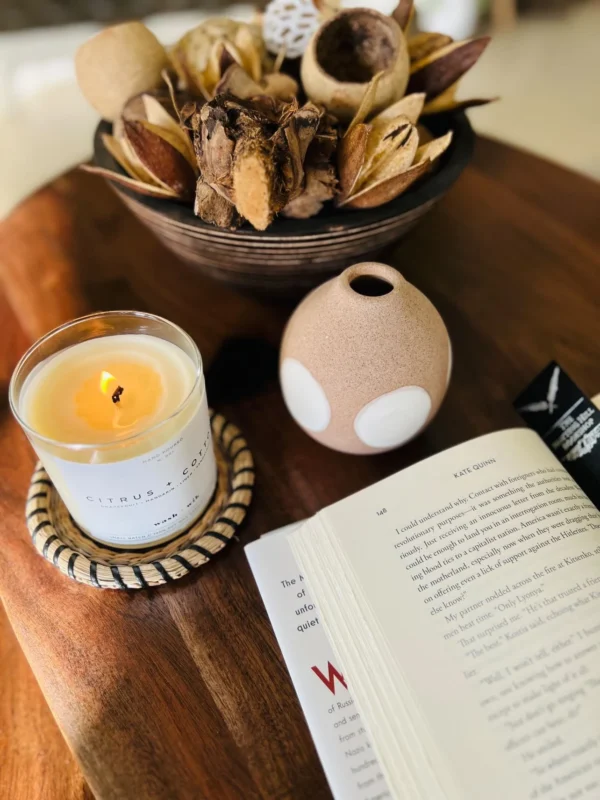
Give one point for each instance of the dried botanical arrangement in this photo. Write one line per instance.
(218, 120)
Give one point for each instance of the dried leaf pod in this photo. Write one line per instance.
(212, 207)
(238, 83)
(382, 148)
(320, 183)
(404, 13)
(442, 68)
(391, 149)
(292, 142)
(424, 44)
(447, 101)
(119, 62)
(153, 149)
(351, 157)
(130, 183)
(345, 54)
(203, 54)
(385, 187)
(214, 146)
(158, 156)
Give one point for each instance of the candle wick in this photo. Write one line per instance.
(116, 395)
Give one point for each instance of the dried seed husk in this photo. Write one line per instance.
(131, 183)
(425, 134)
(170, 130)
(213, 208)
(199, 57)
(176, 140)
(246, 43)
(320, 183)
(175, 101)
(387, 190)
(432, 150)
(383, 142)
(320, 187)
(298, 133)
(367, 102)
(215, 149)
(438, 71)
(118, 63)
(254, 183)
(344, 55)
(140, 171)
(447, 102)
(237, 82)
(424, 44)
(115, 148)
(121, 151)
(163, 161)
(410, 106)
(280, 85)
(351, 157)
(393, 160)
(404, 13)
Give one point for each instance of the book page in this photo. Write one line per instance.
(333, 719)
(481, 569)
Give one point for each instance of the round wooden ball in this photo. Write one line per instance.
(365, 361)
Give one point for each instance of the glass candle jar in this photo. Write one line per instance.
(114, 404)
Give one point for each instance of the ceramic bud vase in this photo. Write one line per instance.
(365, 361)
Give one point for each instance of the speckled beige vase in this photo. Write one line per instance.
(365, 361)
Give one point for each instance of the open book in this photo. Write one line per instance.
(461, 598)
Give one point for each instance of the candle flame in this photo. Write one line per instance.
(105, 379)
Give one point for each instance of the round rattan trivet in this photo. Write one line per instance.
(56, 536)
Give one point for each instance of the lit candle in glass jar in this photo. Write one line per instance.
(115, 406)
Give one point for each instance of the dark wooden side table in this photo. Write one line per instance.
(182, 692)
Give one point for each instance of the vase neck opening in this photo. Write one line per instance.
(370, 286)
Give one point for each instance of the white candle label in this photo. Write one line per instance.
(144, 499)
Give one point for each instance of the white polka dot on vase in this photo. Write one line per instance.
(304, 396)
(393, 418)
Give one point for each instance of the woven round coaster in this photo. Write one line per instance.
(57, 537)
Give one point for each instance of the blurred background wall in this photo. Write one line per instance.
(544, 63)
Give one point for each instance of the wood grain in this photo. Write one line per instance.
(182, 692)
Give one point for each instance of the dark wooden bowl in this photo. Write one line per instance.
(292, 256)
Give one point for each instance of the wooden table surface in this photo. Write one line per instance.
(182, 692)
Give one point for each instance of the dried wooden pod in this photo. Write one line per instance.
(404, 13)
(160, 158)
(237, 82)
(255, 182)
(344, 55)
(320, 181)
(351, 157)
(439, 70)
(423, 44)
(377, 150)
(118, 63)
(384, 187)
(130, 183)
(447, 101)
(203, 54)
(212, 207)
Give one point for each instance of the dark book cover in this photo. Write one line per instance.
(568, 422)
